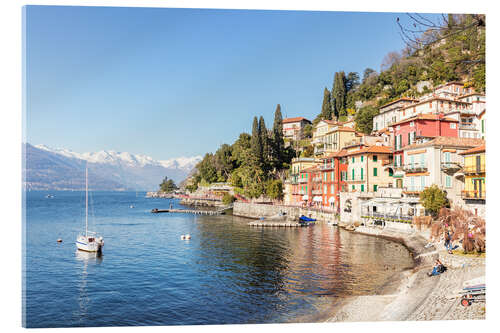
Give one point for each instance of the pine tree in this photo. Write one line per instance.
(278, 143)
(339, 92)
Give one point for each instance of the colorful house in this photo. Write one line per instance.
(296, 179)
(474, 170)
(293, 128)
(438, 162)
(424, 126)
(366, 170)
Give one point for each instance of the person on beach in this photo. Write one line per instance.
(447, 241)
(438, 268)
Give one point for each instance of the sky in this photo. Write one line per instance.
(180, 82)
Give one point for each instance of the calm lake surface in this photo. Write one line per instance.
(228, 273)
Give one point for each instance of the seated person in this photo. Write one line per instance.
(438, 268)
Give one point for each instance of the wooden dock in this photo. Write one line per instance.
(221, 211)
(277, 224)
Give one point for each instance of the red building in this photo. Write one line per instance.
(334, 169)
(421, 126)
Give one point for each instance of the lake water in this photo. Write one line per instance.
(228, 273)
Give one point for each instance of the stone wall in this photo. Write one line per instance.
(256, 211)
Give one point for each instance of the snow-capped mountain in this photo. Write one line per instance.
(114, 170)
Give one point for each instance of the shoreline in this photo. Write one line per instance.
(416, 296)
(412, 295)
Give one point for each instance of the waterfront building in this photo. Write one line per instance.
(474, 171)
(293, 128)
(334, 175)
(421, 127)
(438, 162)
(298, 179)
(366, 170)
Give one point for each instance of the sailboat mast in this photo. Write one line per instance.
(86, 200)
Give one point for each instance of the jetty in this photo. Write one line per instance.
(277, 224)
(220, 211)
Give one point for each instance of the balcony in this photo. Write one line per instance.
(474, 195)
(302, 180)
(475, 169)
(328, 166)
(316, 179)
(318, 192)
(467, 126)
(450, 167)
(414, 167)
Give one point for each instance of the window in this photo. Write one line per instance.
(391, 173)
(306, 188)
(361, 158)
(374, 158)
(375, 187)
(353, 159)
(325, 189)
(331, 189)
(412, 124)
(361, 173)
(362, 188)
(331, 176)
(482, 125)
(422, 182)
(352, 174)
(448, 181)
(353, 187)
(453, 125)
(374, 172)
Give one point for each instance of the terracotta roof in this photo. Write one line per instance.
(294, 120)
(479, 149)
(425, 116)
(340, 153)
(399, 100)
(371, 149)
(433, 98)
(449, 142)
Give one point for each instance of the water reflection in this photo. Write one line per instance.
(87, 258)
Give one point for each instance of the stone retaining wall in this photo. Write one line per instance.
(256, 211)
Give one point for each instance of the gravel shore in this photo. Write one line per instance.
(418, 296)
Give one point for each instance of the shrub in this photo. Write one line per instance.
(228, 199)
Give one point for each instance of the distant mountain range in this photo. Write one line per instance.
(62, 169)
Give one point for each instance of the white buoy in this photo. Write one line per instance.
(188, 236)
(183, 237)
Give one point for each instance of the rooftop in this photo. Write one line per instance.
(479, 149)
(425, 116)
(448, 142)
(294, 120)
(372, 150)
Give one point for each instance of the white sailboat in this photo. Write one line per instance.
(89, 242)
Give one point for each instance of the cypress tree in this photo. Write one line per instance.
(264, 141)
(339, 92)
(278, 142)
(255, 141)
(326, 111)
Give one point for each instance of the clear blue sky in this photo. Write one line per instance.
(180, 82)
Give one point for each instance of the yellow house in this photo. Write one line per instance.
(337, 138)
(366, 172)
(475, 175)
(319, 132)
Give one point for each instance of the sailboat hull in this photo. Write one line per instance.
(89, 245)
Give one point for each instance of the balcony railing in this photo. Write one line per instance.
(471, 169)
(388, 217)
(302, 180)
(317, 192)
(467, 126)
(474, 195)
(415, 167)
(326, 166)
